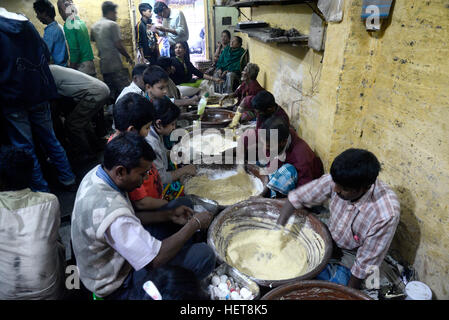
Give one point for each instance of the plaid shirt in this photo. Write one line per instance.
(368, 224)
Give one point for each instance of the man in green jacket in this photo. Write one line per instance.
(228, 66)
(77, 35)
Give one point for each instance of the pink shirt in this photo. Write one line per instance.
(368, 224)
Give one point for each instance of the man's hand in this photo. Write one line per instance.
(205, 218)
(181, 215)
(286, 212)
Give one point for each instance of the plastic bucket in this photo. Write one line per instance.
(416, 290)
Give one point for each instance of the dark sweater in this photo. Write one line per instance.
(182, 75)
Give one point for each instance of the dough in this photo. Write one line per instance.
(211, 144)
(225, 191)
(270, 254)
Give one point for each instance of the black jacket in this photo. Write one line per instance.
(25, 78)
(183, 76)
(147, 41)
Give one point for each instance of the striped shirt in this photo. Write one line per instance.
(367, 225)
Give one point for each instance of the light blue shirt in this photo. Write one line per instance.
(55, 40)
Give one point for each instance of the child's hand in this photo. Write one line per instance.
(189, 170)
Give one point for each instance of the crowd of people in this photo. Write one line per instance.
(131, 222)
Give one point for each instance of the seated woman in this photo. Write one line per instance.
(292, 164)
(184, 69)
(165, 115)
(246, 92)
(228, 66)
(225, 40)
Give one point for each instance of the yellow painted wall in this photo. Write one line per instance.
(290, 72)
(89, 12)
(386, 92)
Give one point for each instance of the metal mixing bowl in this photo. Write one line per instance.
(241, 215)
(250, 169)
(314, 290)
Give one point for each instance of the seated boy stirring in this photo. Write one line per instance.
(133, 113)
(165, 115)
(293, 164)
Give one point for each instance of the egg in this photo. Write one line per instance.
(216, 280)
(235, 296)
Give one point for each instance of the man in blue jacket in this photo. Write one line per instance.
(53, 33)
(26, 86)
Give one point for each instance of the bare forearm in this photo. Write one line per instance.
(147, 217)
(164, 29)
(177, 174)
(286, 212)
(149, 203)
(183, 102)
(122, 50)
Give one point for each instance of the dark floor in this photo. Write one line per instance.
(67, 198)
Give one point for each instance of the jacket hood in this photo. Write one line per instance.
(12, 22)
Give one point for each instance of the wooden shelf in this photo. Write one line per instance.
(263, 34)
(255, 3)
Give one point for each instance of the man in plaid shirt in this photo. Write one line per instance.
(364, 211)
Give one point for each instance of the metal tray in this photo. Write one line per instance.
(239, 278)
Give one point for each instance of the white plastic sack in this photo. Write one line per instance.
(331, 9)
(31, 257)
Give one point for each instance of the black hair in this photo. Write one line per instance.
(165, 110)
(263, 100)
(107, 7)
(16, 168)
(183, 44)
(177, 283)
(355, 168)
(127, 149)
(154, 74)
(159, 6)
(278, 124)
(45, 6)
(164, 62)
(132, 110)
(144, 7)
(239, 39)
(228, 33)
(139, 69)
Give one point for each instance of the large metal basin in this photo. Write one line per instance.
(241, 215)
(250, 169)
(314, 290)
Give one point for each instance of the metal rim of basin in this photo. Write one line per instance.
(335, 291)
(315, 223)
